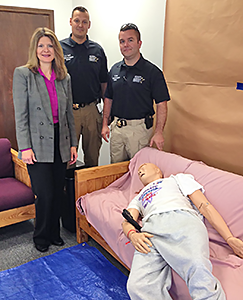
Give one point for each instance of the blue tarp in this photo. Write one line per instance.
(79, 272)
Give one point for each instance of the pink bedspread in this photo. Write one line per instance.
(103, 210)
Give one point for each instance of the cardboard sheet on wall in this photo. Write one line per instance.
(203, 63)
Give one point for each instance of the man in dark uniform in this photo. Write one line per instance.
(133, 85)
(87, 64)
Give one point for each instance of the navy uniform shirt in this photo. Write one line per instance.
(133, 89)
(87, 66)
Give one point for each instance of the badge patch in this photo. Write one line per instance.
(68, 57)
(138, 79)
(93, 58)
(115, 77)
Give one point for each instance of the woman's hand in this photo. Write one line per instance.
(140, 241)
(237, 245)
(74, 156)
(28, 157)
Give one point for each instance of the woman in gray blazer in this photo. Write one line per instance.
(45, 130)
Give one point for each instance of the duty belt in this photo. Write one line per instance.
(77, 106)
(121, 122)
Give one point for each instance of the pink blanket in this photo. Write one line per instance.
(223, 189)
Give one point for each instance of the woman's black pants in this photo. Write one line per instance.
(47, 180)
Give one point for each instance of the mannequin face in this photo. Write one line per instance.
(149, 172)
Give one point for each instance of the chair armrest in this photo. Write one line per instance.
(96, 178)
(20, 169)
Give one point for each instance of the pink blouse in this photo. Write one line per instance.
(51, 88)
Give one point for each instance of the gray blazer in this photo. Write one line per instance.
(33, 115)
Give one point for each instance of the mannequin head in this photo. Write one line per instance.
(149, 172)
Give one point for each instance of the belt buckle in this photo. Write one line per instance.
(76, 106)
(121, 122)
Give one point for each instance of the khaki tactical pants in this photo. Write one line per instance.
(88, 124)
(128, 140)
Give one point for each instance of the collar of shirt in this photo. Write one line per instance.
(53, 75)
(72, 43)
(138, 65)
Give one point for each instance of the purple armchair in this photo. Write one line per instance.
(16, 196)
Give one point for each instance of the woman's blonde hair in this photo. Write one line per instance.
(58, 64)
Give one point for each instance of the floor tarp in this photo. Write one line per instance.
(79, 272)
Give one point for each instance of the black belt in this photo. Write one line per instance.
(121, 122)
(148, 121)
(77, 106)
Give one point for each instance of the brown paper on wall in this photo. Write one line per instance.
(203, 61)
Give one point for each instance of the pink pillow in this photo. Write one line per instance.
(168, 163)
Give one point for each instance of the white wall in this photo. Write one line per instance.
(107, 16)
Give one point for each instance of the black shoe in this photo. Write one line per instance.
(41, 248)
(58, 242)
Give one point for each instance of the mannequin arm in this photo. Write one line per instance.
(216, 220)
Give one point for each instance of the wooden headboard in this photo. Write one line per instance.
(87, 181)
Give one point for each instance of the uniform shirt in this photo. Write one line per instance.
(87, 66)
(133, 89)
(165, 195)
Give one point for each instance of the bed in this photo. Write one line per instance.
(103, 192)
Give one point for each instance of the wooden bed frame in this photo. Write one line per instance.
(87, 181)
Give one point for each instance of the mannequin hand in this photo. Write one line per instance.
(237, 245)
(140, 241)
(28, 157)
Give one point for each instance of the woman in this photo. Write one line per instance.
(45, 130)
